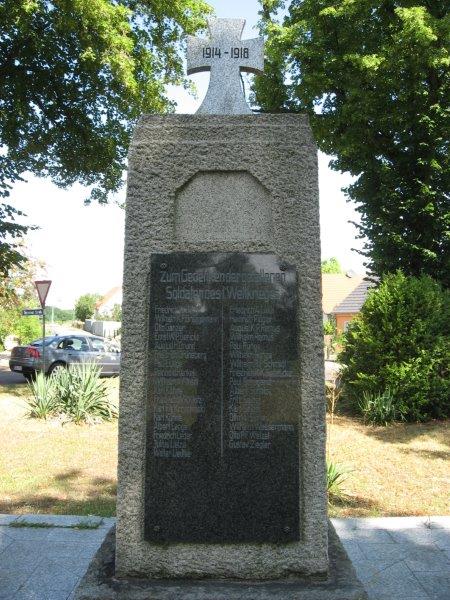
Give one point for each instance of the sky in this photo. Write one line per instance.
(82, 246)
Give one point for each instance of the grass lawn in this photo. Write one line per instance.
(399, 470)
(47, 467)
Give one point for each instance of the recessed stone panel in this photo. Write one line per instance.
(227, 206)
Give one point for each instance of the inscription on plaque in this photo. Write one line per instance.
(222, 419)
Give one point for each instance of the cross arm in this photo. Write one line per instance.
(195, 61)
(255, 62)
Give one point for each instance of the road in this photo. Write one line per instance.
(7, 377)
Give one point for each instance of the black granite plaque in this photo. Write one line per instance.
(222, 440)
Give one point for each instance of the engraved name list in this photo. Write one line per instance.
(223, 346)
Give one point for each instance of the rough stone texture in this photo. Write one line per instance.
(166, 153)
(244, 206)
(341, 583)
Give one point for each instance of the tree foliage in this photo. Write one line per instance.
(116, 313)
(17, 292)
(60, 315)
(373, 76)
(398, 348)
(85, 306)
(74, 77)
(11, 234)
(331, 265)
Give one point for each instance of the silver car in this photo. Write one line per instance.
(64, 350)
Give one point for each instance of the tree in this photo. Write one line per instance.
(397, 350)
(331, 265)
(17, 292)
(75, 76)
(60, 315)
(11, 234)
(116, 313)
(85, 306)
(373, 76)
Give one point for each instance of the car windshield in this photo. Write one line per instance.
(101, 345)
(48, 341)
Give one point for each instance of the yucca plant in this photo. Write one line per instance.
(336, 475)
(44, 402)
(82, 394)
(380, 409)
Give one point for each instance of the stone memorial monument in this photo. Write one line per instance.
(222, 489)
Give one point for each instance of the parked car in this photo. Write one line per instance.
(64, 350)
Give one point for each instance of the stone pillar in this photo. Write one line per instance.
(227, 183)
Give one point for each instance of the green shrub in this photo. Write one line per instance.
(82, 395)
(28, 329)
(400, 342)
(329, 328)
(43, 403)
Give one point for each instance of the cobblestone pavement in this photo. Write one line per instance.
(396, 558)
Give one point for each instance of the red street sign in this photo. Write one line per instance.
(42, 290)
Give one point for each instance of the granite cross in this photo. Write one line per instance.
(226, 56)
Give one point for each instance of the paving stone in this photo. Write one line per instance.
(366, 571)
(108, 522)
(366, 535)
(418, 536)
(52, 577)
(72, 535)
(396, 582)
(426, 559)
(77, 564)
(437, 586)
(345, 524)
(64, 549)
(5, 541)
(60, 520)
(7, 519)
(5, 533)
(384, 553)
(22, 557)
(440, 522)
(441, 538)
(390, 523)
(10, 581)
(28, 533)
(88, 551)
(27, 593)
(353, 550)
(404, 559)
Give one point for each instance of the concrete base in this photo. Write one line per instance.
(99, 582)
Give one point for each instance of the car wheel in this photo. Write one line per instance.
(55, 367)
(29, 375)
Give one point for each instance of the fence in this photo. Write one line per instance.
(107, 329)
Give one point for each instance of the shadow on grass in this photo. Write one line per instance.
(403, 433)
(436, 454)
(365, 505)
(99, 497)
(18, 390)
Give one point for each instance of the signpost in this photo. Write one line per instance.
(32, 312)
(42, 288)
